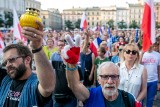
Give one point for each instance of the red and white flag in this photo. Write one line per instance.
(1, 42)
(17, 30)
(83, 24)
(148, 25)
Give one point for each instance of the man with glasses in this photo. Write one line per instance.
(20, 87)
(107, 94)
(63, 96)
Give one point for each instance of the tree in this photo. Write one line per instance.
(157, 25)
(1, 22)
(133, 24)
(122, 24)
(8, 19)
(69, 25)
(111, 23)
(77, 23)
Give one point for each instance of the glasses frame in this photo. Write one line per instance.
(11, 60)
(106, 77)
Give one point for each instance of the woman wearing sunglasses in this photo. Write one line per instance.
(133, 75)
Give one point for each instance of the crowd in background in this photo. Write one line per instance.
(122, 47)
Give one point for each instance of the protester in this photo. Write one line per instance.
(63, 96)
(49, 48)
(87, 61)
(107, 94)
(20, 87)
(151, 60)
(133, 76)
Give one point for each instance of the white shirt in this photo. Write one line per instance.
(131, 80)
(151, 61)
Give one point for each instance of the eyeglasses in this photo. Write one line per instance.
(106, 77)
(129, 51)
(11, 60)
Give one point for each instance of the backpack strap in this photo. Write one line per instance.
(126, 99)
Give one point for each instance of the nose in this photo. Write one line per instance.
(110, 81)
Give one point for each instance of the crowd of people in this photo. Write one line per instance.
(118, 74)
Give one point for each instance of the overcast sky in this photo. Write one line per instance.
(67, 4)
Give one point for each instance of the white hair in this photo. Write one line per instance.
(107, 65)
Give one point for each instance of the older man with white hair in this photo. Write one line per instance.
(107, 94)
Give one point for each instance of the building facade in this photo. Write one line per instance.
(33, 4)
(52, 19)
(157, 12)
(6, 7)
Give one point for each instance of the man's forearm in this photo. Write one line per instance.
(80, 91)
(45, 73)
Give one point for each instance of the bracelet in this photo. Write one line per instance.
(37, 50)
(72, 69)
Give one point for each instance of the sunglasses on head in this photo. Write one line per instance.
(134, 52)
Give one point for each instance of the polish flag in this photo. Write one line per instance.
(148, 25)
(95, 45)
(1, 42)
(17, 30)
(83, 24)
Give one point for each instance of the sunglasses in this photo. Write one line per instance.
(132, 52)
(11, 60)
(106, 77)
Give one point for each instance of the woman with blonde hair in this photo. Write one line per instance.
(133, 75)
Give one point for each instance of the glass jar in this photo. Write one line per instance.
(30, 17)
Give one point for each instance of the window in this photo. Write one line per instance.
(88, 23)
(88, 13)
(97, 13)
(97, 18)
(88, 18)
(92, 23)
(92, 13)
(44, 17)
(92, 18)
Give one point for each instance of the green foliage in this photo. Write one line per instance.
(1, 22)
(8, 19)
(111, 23)
(133, 24)
(77, 23)
(122, 24)
(157, 24)
(69, 25)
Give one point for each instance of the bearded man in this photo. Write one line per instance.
(107, 94)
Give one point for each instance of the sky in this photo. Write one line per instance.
(67, 4)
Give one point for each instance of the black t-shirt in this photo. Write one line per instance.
(14, 94)
(2, 74)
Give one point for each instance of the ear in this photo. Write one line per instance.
(27, 60)
(99, 80)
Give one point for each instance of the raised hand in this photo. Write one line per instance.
(34, 35)
(71, 52)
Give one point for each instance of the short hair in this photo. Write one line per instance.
(21, 50)
(102, 49)
(108, 64)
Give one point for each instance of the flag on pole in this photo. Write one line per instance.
(148, 25)
(83, 24)
(17, 30)
(94, 45)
